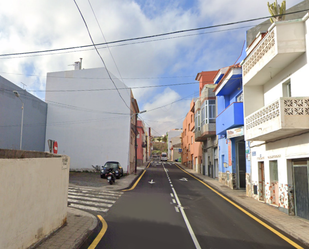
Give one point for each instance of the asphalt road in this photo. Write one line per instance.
(177, 211)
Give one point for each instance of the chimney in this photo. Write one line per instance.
(78, 64)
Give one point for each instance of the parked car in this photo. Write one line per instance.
(112, 165)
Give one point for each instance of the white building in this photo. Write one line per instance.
(276, 110)
(170, 134)
(88, 118)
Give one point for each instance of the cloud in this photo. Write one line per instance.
(38, 25)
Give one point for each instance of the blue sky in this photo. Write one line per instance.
(39, 25)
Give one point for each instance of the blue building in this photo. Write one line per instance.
(229, 127)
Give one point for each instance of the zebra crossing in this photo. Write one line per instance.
(91, 199)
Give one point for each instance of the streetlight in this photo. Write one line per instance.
(136, 114)
(22, 119)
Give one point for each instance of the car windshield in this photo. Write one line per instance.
(111, 165)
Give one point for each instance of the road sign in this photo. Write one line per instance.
(55, 147)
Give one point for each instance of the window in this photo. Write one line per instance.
(198, 120)
(208, 114)
(240, 97)
(286, 89)
(273, 171)
(191, 139)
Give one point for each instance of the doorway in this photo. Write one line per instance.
(301, 191)
(261, 181)
(241, 164)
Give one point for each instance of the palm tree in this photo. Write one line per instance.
(277, 11)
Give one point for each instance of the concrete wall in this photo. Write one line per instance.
(35, 112)
(33, 190)
(88, 118)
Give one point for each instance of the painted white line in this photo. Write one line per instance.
(96, 192)
(177, 209)
(172, 195)
(96, 204)
(93, 195)
(195, 241)
(96, 209)
(90, 199)
(174, 201)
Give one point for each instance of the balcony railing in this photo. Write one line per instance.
(205, 131)
(284, 117)
(284, 42)
(232, 116)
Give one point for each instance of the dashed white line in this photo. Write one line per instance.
(172, 195)
(195, 241)
(174, 201)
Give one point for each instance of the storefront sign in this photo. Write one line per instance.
(236, 132)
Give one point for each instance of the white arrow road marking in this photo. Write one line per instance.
(195, 241)
(151, 182)
(183, 179)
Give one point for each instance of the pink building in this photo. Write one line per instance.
(141, 143)
(191, 151)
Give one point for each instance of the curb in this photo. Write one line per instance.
(90, 235)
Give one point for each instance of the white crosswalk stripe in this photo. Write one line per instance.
(92, 199)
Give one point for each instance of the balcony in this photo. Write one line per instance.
(205, 131)
(232, 116)
(286, 116)
(284, 42)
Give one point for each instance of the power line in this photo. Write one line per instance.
(118, 45)
(100, 55)
(149, 36)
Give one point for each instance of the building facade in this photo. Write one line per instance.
(91, 123)
(229, 128)
(205, 124)
(276, 110)
(191, 155)
(170, 135)
(21, 128)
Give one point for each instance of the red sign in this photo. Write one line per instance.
(55, 147)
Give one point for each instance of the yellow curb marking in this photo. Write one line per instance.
(247, 213)
(135, 184)
(100, 235)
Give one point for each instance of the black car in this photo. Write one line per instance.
(112, 165)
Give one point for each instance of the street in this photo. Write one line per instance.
(170, 209)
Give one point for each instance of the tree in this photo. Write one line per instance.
(164, 139)
(277, 11)
(159, 139)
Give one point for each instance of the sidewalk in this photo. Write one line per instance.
(294, 226)
(82, 227)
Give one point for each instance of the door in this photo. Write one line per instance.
(261, 181)
(301, 191)
(241, 164)
(273, 173)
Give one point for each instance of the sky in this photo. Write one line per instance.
(161, 71)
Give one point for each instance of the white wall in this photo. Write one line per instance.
(33, 199)
(90, 124)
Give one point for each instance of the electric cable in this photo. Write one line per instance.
(151, 36)
(100, 54)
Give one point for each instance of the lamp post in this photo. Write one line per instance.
(136, 114)
(22, 119)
